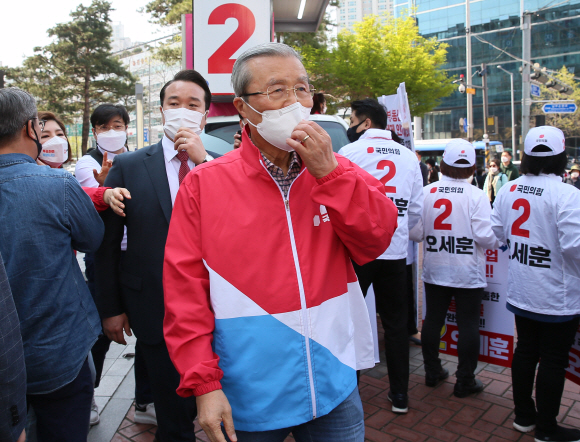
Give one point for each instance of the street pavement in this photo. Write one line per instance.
(434, 413)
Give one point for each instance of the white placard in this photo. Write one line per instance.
(222, 30)
(399, 115)
(372, 308)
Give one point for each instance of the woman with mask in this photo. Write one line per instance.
(574, 175)
(494, 181)
(55, 146)
(457, 232)
(434, 174)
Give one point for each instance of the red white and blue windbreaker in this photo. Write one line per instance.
(261, 298)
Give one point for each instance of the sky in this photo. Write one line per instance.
(24, 24)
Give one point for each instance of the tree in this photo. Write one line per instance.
(168, 12)
(371, 61)
(568, 123)
(77, 70)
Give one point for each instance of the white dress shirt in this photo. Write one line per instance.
(172, 165)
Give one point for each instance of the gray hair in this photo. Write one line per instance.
(241, 75)
(16, 108)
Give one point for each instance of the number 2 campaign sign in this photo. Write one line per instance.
(222, 30)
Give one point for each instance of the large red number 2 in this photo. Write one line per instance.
(220, 62)
(439, 225)
(517, 225)
(389, 176)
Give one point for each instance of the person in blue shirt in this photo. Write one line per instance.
(46, 216)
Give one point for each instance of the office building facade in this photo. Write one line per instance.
(555, 43)
(352, 11)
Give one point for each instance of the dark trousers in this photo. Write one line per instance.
(64, 414)
(389, 281)
(468, 303)
(175, 415)
(411, 304)
(143, 393)
(549, 344)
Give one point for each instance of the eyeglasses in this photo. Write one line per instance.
(281, 92)
(40, 122)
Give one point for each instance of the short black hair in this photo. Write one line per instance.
(371, 109)
(193, 77)
(396, 138)
(106, 112)
(458, 173)
(508, 152)
(555, 164)
(430, 162)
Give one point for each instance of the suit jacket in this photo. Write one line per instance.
(424, 173)
(134, 284)
(13, 379)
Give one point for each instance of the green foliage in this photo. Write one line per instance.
(568, 123)
(169, 53)
(76, 72)
(168, 12)
(371, 61)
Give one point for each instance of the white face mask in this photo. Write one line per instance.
(277, 125)
(112, 141)
(54, 152)
(493, 170)
(574, 175)
(505, 160)
(181, 117)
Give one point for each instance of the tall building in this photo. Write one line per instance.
(555, 43)
(351, 11)
(118, 40)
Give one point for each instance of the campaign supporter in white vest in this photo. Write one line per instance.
(538, 217)
(374, 150)
(457, 231)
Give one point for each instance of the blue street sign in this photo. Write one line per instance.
(559, 108)
(465, 125)
(534, 90)
(145, 135)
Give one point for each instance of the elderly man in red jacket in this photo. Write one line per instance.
(265, 320)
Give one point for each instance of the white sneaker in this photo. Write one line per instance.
(145, 414)
(95, 419)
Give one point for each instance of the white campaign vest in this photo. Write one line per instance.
(538, 218)
(457, 232)
(398, 169)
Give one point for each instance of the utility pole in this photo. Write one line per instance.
(513, 109)
(483, 74)
(139, 115)
(527, 57)
(468, 73)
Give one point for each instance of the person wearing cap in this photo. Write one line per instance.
(457, 231)
(573, 179)
(507, 166)
(538, 218)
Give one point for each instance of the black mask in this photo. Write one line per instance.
(38, 143)
(352, 134)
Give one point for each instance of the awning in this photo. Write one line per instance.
(286, 14)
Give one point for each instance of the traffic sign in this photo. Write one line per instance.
(534, 90)
(470, 90)
(559, 108)
(146, 135)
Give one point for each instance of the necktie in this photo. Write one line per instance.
(184, 167)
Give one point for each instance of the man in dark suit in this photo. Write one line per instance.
(424, 169)
(130, 292)
(13, 380)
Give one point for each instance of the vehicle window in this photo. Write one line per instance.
(337, 133)
(219, 137)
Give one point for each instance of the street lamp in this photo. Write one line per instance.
(513, 109)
